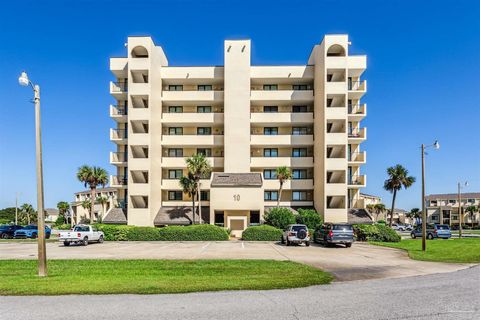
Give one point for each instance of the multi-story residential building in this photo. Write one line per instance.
(444, 208)
(247, 120)
(108, 212)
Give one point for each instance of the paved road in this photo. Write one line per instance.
(454, 295)
(360, 262)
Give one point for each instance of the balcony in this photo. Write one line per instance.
(356, 89)
(357, 112)
(119, 136)
(192, 140)
(281, 117)
(295, 184)
(118, 181)
(335, 87)
(273, 73)
(179, 162)
(357, 181)
(281, 140)
(118, 158)
(119, 89)
(118, 114)
(357, 135)
(275, 96)
(357, 158)
(269, 162)
(173, 184)
(192, 118)
(192, 96)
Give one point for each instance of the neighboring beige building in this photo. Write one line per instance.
(248, 120)
(370, 199)
(108, 211)
(443, 208)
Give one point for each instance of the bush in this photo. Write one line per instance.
(262, 233)
(205, 232)
(279, 218)
(381, 222)
(375, 232)
(60, 220)
(310, 218)
(63, 227)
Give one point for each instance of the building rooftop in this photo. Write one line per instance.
(369, 195)
(253, 179)
(448, 196)
(107, 189)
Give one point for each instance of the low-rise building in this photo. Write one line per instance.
(444, 208)
(109, 212)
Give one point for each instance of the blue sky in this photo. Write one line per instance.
(423, 78)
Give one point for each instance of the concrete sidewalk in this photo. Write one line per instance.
(362, 261)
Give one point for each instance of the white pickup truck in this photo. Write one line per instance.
(81, 234)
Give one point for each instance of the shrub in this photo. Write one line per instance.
(279, 218)
(381, 222)
(310, 218)
(60, 220)
(375, 232)
(114, 232)
(262, 233)
(63, 227)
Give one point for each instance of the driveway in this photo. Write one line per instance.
(361, 261)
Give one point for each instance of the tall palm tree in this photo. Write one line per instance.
(189, 186)
(398, 178)
(199, 167)
(92, 177)
(471, 211)
(63, 208)
(283, 174)
(28, 211)
(102, 201)
(86, 204)
(378, 208)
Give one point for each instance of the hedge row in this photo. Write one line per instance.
(204, 232)
(262, 233)
(375, 232)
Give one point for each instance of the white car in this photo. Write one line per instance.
(81, 234)
(296, 234)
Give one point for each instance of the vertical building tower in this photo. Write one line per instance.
(247, 120)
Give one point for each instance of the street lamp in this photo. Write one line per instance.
(436, 146)
(42, 254)
(460, 213)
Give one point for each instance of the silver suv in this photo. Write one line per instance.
(296, 234)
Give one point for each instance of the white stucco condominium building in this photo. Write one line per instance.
(247, 120)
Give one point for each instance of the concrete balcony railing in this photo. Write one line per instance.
(118, 114)
(118, 87)
(296, 203)
(184, 203)
(281, 117)
(357, 112)
(118, 158)
(357, 181)
(358, 134)
(192, 117)
(281, 72)
(357, 157)
(357, 85)
(174, 184)
(179, 162)
(295, 184)
(281, 95)
(192, 140)
(335, 87)
(119, 136)
(192, 96)
(269, 162)
(118, 181)
(281, 140)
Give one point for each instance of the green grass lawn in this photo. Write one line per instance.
(453, 250)
(18, 277)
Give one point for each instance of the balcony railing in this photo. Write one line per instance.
(357, 156)
(119, 86)
(118, 111)
(119, 180)
(356, 109)
(356, 133)
(356, 85)
(119, 133)
(356, 180)
(118, 157)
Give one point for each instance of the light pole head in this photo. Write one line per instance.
(436, 145)
(466, 183)
(23, 79)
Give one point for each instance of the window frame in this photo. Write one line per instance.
(175, 193)
(199, 129)
(270, 152)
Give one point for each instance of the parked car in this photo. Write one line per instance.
(400, 227)
(408, 227)
(296, 234)
(8, 230)
(31, 231)
(81, 234)
(332, 233)
(433, 231)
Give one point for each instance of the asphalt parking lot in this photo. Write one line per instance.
(361, 261)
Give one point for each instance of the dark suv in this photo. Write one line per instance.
(7, 230)
(332, 233)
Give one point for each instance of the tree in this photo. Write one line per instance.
(92, 177)
(103, 202)
(279, 218)
(199, 167)
(310, 218)
(471, 211)
(63, 208)
(398, 178)
(189, 186)
(379, 208)
(28, 214)
(283, 174)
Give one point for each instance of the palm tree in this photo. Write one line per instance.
(471, 210)
(189, 186)
(199, 167)
(370, 207)
(102, 201)
(27, 209)
(92, 177)
(414, 213)
(63, 208)
(283, 174)
(397, 178)
(86, 204)
(378, 209)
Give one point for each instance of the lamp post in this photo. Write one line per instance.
(42, 254)
(435, 145)
(460, 213)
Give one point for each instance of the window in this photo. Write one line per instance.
(300, 87)
(175, 152)
(299, 174)
(270, 195)
(298, 131)
(299, 152)
(175, 109)
(207, 152)
(270, 109)
(254, 217)
(299, 195)
(269, 174)
(204, 131)
(204, 87)
(270, 131)
(175, 87)
(451, 201)
(219, 218)
(433, 203)
(270, 152)
(174, 195)
(299, 109)
(204, 109)
(204, 195)
(175, 173)
(175, 131)
(270, 87)
(471, 200)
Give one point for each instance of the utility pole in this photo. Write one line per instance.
(424, 213)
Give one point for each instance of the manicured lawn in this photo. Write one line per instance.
(453, 250)
(18, 277)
